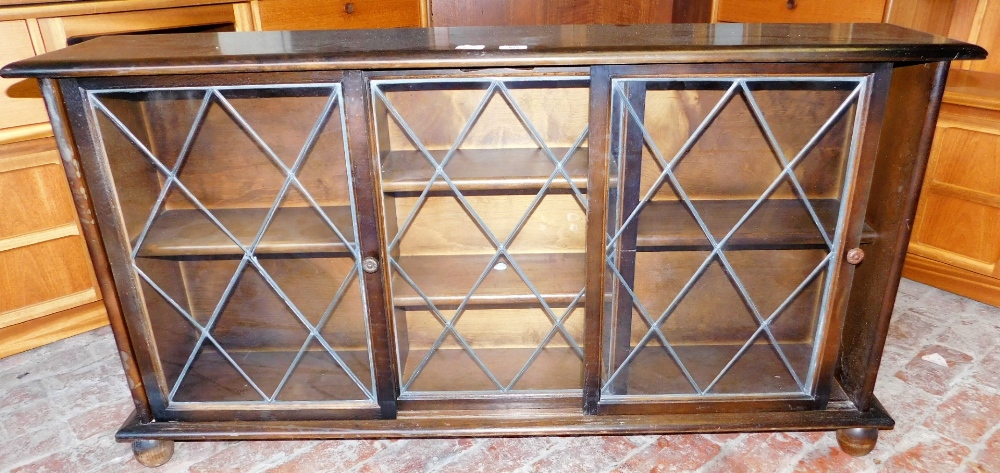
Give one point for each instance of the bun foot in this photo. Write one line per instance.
(858, 441)
(153, 453)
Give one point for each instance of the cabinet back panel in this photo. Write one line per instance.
(136, 180)
(492, 328)
(735, 142)
(256, 318)
(226, 167)
(558, 113)
(729, 321)
(174, 336)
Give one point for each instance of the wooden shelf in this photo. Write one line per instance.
(759, 370)
(452, 369)
(188, 232)
(483, 170)
(778, 223)
(316, 378)
(446, 279)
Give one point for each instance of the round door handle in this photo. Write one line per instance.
(855, 255)
(790, 4)
(349, 8)
(369, 265)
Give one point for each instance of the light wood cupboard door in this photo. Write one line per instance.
(799, 11)
(64, 31)
(985, 31)
(340, 14)
(958, 220)
(48, 290)
(20, 100)
(45, 269)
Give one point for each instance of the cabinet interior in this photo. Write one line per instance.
(237, 203)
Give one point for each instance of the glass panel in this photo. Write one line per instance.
(726, 199)
(485, 206)
(238, 206)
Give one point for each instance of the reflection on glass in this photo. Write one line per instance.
(238, 208)
(485, 208)
(724, 218)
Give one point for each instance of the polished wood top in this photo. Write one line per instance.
(568, 45)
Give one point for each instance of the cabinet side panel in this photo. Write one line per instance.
(59, 117)
(18, 97)
(915, 91)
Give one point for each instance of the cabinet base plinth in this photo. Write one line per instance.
(520, 423)
(152, 453)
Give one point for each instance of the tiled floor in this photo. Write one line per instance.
(940, 379)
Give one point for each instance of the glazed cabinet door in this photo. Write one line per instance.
(483, 181)
(734, 198)
(230, 219)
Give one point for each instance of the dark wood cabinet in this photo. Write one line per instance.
(536, 231)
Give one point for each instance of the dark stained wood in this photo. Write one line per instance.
(667, 225)
(907, 132)
(651, 374)
(597, 228)
(561, 401)
(771, 254)
(58, 106)
(165, 336)
(371, 230)
(153, 453)
(554, 370)
(476, 170)
(316, 378)
(399, 330)
(872, 110)
(211, 80)
(115, 243)
(568, 422)
(626, 196)
(549, 12)
(559, 277)
(775, 216)
(857, 441)
(405, 48)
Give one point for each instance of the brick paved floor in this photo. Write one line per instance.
(60, 406)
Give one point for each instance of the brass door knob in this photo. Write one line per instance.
(790, 4)
(349, 8)
(855, 255)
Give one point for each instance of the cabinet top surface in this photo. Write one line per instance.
(567, 45)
